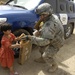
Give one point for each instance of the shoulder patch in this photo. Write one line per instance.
(47, 24)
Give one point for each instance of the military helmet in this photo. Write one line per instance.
(44, 8)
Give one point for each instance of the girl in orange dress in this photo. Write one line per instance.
(6, 52)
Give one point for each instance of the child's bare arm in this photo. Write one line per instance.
(15, 46)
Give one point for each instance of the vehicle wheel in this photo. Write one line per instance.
(18, 33)
(30, 30)
(68, 30)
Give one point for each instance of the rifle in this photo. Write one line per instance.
(37, 25)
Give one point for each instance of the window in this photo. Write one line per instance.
(61, 7)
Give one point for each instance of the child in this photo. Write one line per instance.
(6, 52)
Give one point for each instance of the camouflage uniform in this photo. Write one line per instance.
(51, 38)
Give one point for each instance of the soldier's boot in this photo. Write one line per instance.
(53, 68)
(40, 60)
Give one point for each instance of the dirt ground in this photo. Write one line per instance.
(65, 58)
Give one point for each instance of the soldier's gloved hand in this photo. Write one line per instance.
(26, 37)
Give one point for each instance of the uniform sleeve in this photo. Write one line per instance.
(48, 30)
(52, 30)
(39, 41)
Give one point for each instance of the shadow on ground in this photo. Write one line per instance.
(68, 50)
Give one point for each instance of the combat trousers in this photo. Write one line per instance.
(48, 54)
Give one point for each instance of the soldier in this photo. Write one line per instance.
(51, 35)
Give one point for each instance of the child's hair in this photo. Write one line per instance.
(5, 27)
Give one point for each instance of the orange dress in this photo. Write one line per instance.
(6, 53)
